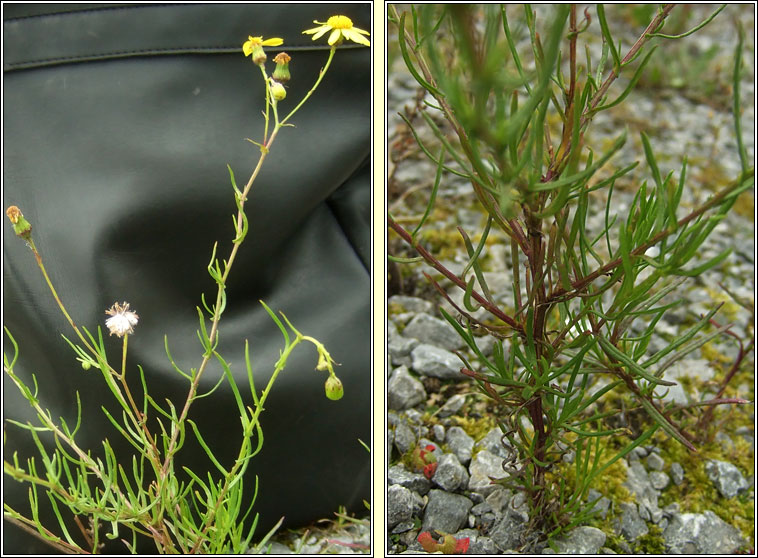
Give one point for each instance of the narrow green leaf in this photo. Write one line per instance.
(665, 424)
(633, 367)
(608, 39)
(205, 447)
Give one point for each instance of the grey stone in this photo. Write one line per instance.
(394, 418)
(671, 509)
(433, 361)
(399, 350)
(726, 478)
(478, 543)
(450, 474)
(412, 303)
(486, 345)
(601, 505)
(399, 505)
(582, 540)
(438, 431)
(706, 533)
(414, 416)
(459, 443)
(483, 466)
(638, 453)
(405, 438)
(433, 331)
(507, 532)
(492, 443)
(392, 331)
(452, 405)
(726, 442)
(403, 527)
(655, 462)
(417, 482)
(445, 512)
(697, 369)
(659, 480)
(499, 499)
(481, 508)
(403, 390)
(279, 548)
(630, 525)
(747, 434)
(677, 473)
(638, 483)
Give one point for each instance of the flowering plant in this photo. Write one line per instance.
(145, 497)
(572, 328)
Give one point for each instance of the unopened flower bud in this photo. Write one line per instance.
(277, 90)
(21, 226)
(282, 71)
(333, 388)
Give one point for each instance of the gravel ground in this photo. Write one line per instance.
(669, 501)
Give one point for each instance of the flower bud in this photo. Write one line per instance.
(282, 71)
(254, 47)
(333, 388)
(21, 226)
(277, 90)
(258, 56)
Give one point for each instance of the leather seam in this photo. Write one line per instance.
(136, 53)
(88, 11)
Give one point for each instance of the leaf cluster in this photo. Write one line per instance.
(586, 303)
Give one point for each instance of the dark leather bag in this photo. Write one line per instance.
(118, 126)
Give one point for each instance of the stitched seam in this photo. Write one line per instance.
(305, 47)
(88, 11)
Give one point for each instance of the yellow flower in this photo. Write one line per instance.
(254, 46)
(253, 42)
(341, 27)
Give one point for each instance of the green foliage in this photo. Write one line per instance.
(131, 497)
(519, 123)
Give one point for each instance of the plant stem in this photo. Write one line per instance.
(41, 266)
(321, 74)
(280, 364)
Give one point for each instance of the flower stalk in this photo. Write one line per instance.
(145, 497)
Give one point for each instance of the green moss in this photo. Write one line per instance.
(697, 493)
(445, 244)
(744, 206)
(393, 308)
(730, 310)
(651, 543)
(477, 428)
(688, 385)
(710, 353)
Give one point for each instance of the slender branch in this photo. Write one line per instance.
(584, 282)
(436, 264)
(641, 40)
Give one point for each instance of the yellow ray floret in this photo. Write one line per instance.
(253, 42)
(341, 27)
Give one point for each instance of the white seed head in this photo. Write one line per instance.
(122, 320)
